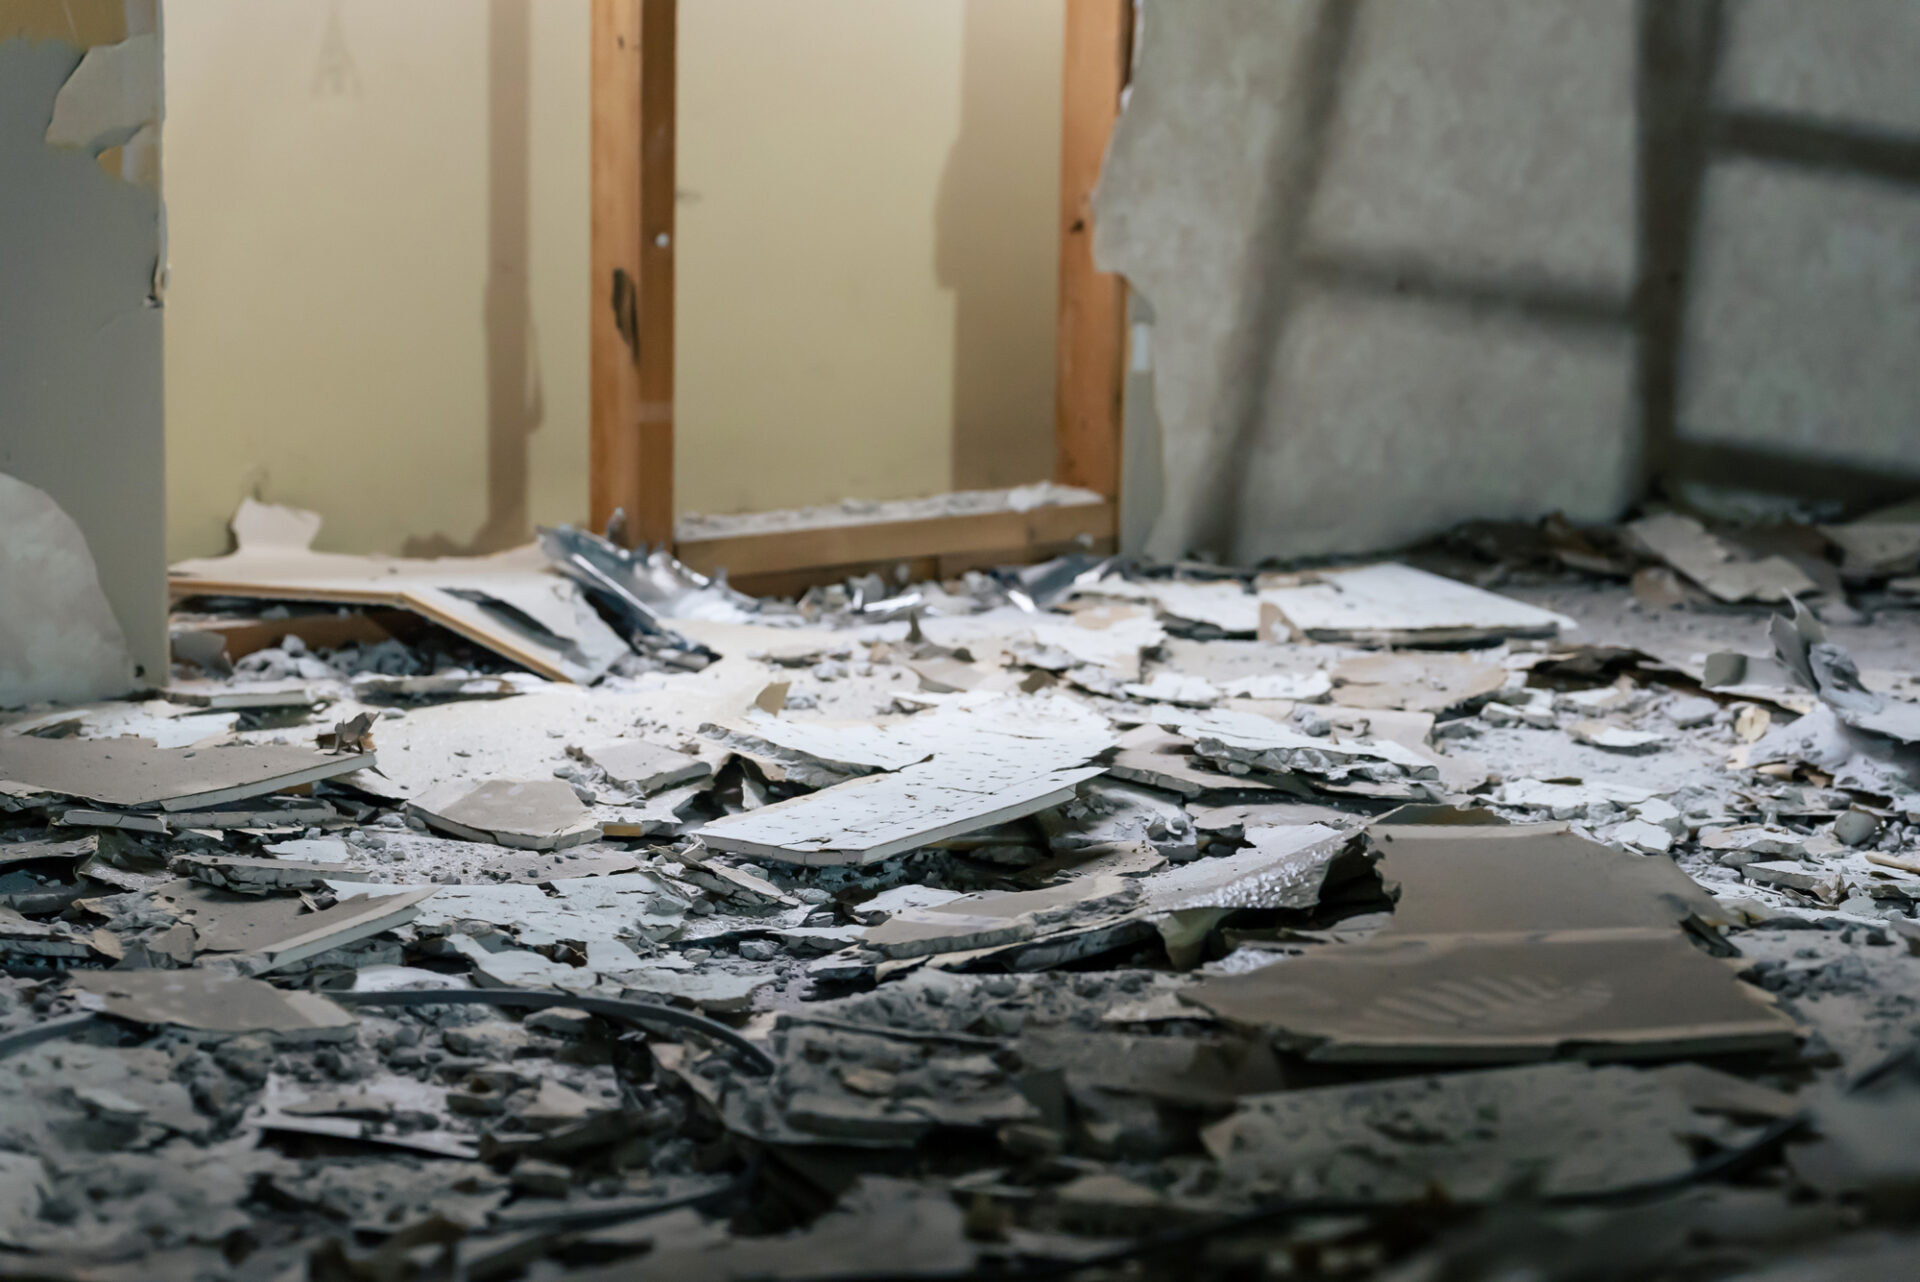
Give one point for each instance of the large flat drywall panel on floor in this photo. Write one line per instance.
(1345, 217)
(868, 249)
(379, 302)
(80, 364)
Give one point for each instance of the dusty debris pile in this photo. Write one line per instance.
(1091, 918)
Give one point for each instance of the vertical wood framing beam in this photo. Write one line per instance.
(631, 328)
(1090, 347)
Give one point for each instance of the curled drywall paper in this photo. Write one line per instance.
(59, 639)
(137, 160)
(110, 97)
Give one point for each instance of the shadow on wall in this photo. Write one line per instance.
(515, 405)
(995, 244)
(1434, 260)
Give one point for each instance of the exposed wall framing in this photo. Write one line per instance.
(631, 333)
(633, 69)
(1093, 304)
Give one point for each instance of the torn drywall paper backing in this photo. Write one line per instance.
(59, 639)
(110, 97)
(509, 602)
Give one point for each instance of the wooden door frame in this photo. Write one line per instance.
(631, 341)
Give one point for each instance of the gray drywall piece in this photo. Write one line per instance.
(212, 1000)
(527, 814)
(1396, 604)
(58, 637)
(647, 767)
(80, 370)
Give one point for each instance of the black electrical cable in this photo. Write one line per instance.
(641, 1013)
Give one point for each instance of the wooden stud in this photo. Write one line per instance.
(659, 40)
(1092, 321)
(631, 330)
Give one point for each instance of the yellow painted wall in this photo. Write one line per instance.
(328, 178)
(866, 260)
(868, 250)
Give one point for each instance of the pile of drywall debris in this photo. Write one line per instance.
(1135, 920)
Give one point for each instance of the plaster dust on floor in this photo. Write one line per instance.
(1103, 916)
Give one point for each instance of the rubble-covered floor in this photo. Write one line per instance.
(1021, 926)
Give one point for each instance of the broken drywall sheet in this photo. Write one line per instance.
(1246, 743)
(349, 921)
(990, 918)
(818, 754)
(1529, 877)
(1423, 682)
(81, 387)
(1284, 387)
(1688, 547)
(877, 816)
(509, 602)
(525, 814)
(1880, 545)
(59, 639)
(1392, 604)
(214, 1001)
(1151, 756)
(963, 1000)
(1512, 942)
(1281, 868)
(1624, 994)
(1109, 637)
(979, 760)
(1801, 645)
(645, 767)
(1226, 607)
(111, 96)
(136, 774)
